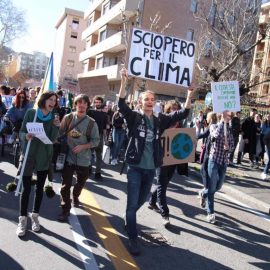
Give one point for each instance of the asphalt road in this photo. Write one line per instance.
(95, 237)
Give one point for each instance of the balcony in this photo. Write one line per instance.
(112, 73)
(112, 16)
(95, 5)
(264, 19)
(112, 44)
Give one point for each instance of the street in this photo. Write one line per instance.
(95, 237)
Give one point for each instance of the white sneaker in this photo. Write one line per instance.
(35, 222)
(114, 162)
(211, 218)
(165, 221)
(21, 230)
(263, 176)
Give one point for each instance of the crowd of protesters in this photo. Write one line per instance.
(134, 128)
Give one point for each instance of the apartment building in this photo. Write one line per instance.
(68, 46)
(261, 61)
(105, 50)
(31, 65)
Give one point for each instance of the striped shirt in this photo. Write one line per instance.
(217, 152)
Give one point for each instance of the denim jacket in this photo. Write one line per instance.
(137, 135)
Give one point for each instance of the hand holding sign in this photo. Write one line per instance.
(29, 136)
(124, 75)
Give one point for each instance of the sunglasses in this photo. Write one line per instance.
(21, 97)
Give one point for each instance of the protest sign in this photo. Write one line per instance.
(225, 96)
(37, 129)
(7, 100)
(179, 145)
(161, 58)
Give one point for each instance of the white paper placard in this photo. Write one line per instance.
(225, 96)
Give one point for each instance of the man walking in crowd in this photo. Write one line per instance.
(221, 145)
(101, 119)
(236, 129)
(82, 134)
(249, 135)
(144, 152)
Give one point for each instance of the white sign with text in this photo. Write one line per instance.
(161, 58)
(225, 96)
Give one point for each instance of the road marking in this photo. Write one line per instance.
(84, 249)
(246, 207)
(119, 255)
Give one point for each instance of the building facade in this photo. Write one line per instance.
(68, 47)
(30, 65)
(261, 61)
(106, 42)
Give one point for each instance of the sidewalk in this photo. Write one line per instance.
(244, 184)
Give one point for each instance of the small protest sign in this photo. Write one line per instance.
(179, 145)
(225, 96)
(7, 100)
(161, 58)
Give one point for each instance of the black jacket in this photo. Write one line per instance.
(136, 124)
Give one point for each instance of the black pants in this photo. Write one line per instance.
(26, 181)
(164, 175)
(67, 176)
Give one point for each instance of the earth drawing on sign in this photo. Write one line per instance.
(181, 146)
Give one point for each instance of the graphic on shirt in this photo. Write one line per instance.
(181, 146)
(149, 136)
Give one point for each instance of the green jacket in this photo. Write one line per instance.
(40, 154)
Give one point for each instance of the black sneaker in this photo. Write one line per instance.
(63, 217)
(76, 202)
(98, 177)
(154, 207)
(133, 247)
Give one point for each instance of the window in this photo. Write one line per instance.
(75, 23)
(37, 66)
(74, 35)
(194, 6)
(190, 34)
(212, 14)
(106, 7)
(43, 67)
(72, 49)
(102, 35)
(70, 63)
(90, 20)
(99, 63)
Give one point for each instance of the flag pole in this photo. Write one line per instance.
(18, 189)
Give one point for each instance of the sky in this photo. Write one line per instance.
(41, 17)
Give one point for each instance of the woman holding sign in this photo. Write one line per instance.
(144, 152)
(39, 158)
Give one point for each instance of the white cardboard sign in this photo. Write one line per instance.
(161, 58)
(225, 96)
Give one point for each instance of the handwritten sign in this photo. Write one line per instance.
(161, 58)
(225, 96)
(179, 145)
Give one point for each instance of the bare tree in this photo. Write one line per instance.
(12, 22)
(227, 40)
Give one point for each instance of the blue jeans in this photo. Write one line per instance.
(138, 189)
(118, 136)
(267, 166)
(164, 176)
(216, 174)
